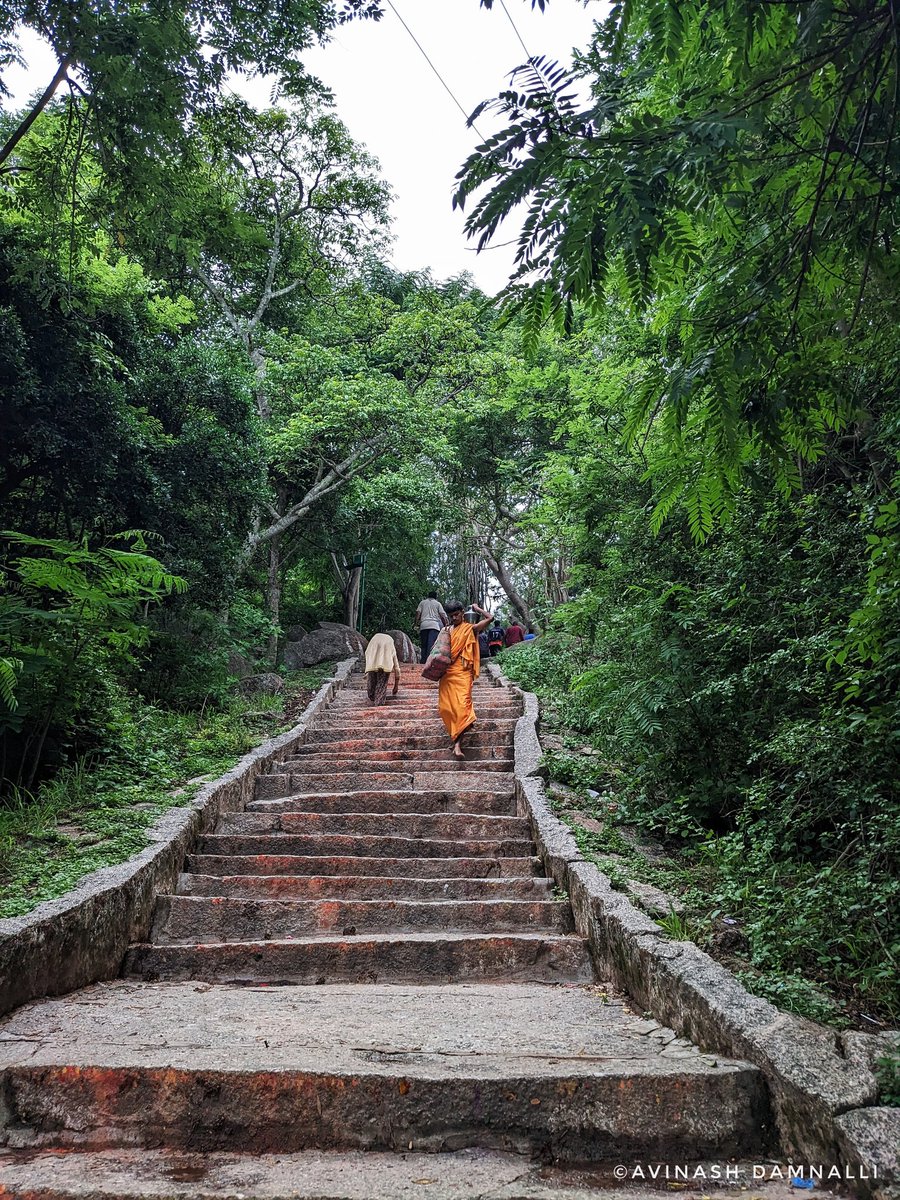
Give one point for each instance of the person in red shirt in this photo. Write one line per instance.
(515, 634)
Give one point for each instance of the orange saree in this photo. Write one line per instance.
(455, 689)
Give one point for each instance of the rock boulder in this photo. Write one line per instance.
(239, 665)
(329, 642)
(290, 654)
(406, 651)
(265, 684)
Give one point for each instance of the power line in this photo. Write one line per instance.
(515, 28)
(443, 81)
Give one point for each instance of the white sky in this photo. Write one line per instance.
(392, 102)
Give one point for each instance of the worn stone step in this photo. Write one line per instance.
(329, 845)
(339, 766)
(493, 701)
(337, 756)
(501, 804)
(372, 958)
(330, 729)
(128, 1174)
(416, 868)
(185, 920)
(409, 711)
(363, 887)
(462, 778)
(407, 825)
(406, 741)
(557, 1072)
(415, 681)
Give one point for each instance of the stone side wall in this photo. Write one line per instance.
(821, 1082)
(82, 937)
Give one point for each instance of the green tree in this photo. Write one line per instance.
(64, 604)
(733, 177)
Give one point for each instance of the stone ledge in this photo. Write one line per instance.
(869, 1140)
(822, 1096)
(82, 937)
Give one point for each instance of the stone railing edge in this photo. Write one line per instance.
(821, 1082)
(81, 937)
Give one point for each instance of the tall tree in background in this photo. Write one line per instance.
(733, 175)
(139, 77)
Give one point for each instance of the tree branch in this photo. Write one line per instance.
(36, 111)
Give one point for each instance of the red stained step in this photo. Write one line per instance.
(500, 804)
(331, 729)
(407, 825)
(385, 958)
(458, 779)
(184, 920)
(362, 887)
(407, 741)
(417, 868)
(329, 845)
(339, 753)
(344, 764)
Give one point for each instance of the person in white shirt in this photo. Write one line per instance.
(381, 663)
(430, 619)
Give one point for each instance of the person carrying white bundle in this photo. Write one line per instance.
(381, 663)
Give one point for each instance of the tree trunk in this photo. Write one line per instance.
(555, 576)
(273, 597)
(498, 568)
(351, 597)
(348, 580)
(476, 578)
(36, 110)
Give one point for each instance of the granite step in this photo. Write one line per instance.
(338, 755)
(356, 865)
(406, 741)
(403, 705)
(489, 803)
(334, 845)
(560, 1072)
(435, 957)
(339, 765)
(187, 920)
(337, 1175)
(364, 887)
(407, 825)
(462, 778)
(332, 729)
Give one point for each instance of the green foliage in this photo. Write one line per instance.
(701, 674)
(794, 994)
(95, 813)
(731, 180)
(68, 615)
(888, 1072)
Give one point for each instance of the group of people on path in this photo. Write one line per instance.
(431, 617)
(468, 643)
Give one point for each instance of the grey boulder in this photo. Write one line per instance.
(327, 643)
(406, 651)
(265, 684)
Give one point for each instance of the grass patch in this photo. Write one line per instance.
(96, 814)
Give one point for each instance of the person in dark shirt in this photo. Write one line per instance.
(496, 638)
(515, 634)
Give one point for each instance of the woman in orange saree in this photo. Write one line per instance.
(455, 688)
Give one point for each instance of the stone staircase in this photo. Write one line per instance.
(456, 1033)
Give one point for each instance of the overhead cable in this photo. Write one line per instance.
(444, 84)
(515, 28)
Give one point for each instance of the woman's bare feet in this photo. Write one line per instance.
(458, 750)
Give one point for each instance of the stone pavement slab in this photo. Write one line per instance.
(464, 1175)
